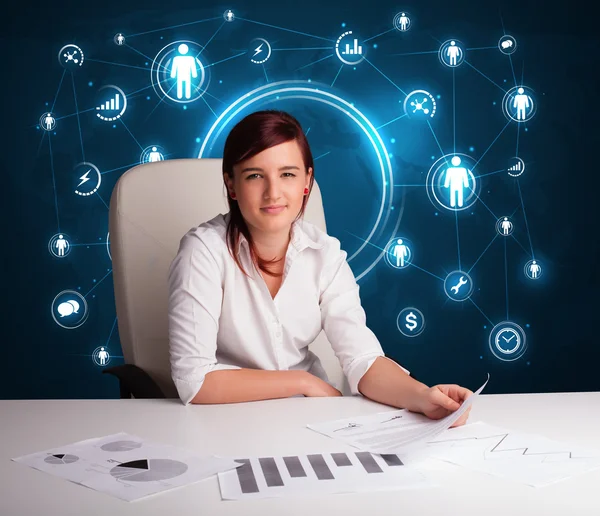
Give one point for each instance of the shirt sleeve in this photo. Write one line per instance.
(195, 296)
(344, 320)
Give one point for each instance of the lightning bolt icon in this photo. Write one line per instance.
(258, 50)
(84, 178)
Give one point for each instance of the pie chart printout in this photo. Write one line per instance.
(61, 458)
(148, 470)
(118, 446)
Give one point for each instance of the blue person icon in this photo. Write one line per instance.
(453, 52)
(457, 179)
(183, 69)
(521, 104)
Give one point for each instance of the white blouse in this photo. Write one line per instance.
(221, 319)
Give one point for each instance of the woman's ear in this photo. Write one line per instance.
(308, 174)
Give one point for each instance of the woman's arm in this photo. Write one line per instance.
(387, 383)
(239, 385)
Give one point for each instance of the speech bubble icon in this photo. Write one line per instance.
(65, 309)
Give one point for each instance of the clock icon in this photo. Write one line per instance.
(507, 341)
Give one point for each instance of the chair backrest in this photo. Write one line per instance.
(151, 207)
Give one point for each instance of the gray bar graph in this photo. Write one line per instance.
(392, 460)
(320, 467)
(270, 471)
(246, 477)
(294, 467)
(341, 459)
(368, 462)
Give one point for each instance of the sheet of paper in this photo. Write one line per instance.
(316, 474)
(527, 458)
(396, 431)
(126, 466)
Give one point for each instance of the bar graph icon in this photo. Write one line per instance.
(348, 50)
(113, 106)
(516, 167)
(314, 473)
(355, 50)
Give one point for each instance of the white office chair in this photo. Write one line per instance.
(151, 207)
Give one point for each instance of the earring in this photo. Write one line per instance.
(232, 194)
(305, 191)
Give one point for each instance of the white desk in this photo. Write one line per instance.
(278, 427)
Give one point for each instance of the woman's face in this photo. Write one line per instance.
(275, 177)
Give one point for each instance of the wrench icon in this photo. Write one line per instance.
(462, 281)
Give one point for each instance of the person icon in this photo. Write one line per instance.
(453, 52)
(154, 155)
(534, 269)
(229, 15)
(400, 252)
(522, 103)
(506, 226)
(61, 244)
(49, 122)
(404, 21)
(457, 178)
(120, 39)
(102, 355)
(183, 69)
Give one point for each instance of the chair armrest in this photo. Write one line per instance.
(134, 381)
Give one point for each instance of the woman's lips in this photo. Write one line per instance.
(273, 211)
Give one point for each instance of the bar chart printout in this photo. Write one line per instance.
(317, 473)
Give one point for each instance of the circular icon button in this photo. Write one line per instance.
(69, 309)
(452, 53)
(451, 183)
(101, 356)
(410, 322)
(47, 122)
(88, 178)
(178, 73)
(398, 253)
(259, 50)
(516, 166)
(533, 270)
(402, 22)
(504, 226)
(70, 57)
(507, 341)
(348, 49)
(458, 286)
(519, 104)
(152, 153)
(507, 44)
(419, 105)
(59, 245)
(111, 103)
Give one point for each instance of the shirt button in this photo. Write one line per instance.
(278, 334)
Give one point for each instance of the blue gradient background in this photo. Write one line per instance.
(559, 61)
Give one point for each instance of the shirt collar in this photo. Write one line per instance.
(299, 238)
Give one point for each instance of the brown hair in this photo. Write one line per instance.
(253, 134)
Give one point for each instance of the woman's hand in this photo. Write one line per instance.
(313, 386)
(441, 400)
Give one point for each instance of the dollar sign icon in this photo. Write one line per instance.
(411, 321)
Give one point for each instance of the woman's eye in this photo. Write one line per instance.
(285, 174)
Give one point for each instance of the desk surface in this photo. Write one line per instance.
(279, 427)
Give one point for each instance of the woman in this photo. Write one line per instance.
(251, 289)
